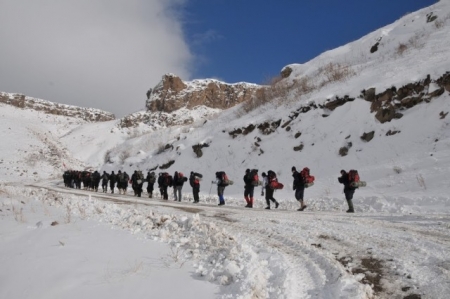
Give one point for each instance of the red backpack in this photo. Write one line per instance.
(307, 178)
(255, 177)
(224, 178)
(273, 181)
(353, 176)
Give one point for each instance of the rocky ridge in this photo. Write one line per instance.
(24, 102)
(172, 94)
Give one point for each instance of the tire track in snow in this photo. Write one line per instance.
(309, 245)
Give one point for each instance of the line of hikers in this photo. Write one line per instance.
(269, 184)
(121, 180)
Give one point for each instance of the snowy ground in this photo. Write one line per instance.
(242, 253)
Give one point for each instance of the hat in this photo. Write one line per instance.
(247, 170)
(342, 171)
(293, 168)
(263, 174)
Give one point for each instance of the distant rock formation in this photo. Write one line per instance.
(24, 102)
(172, 94)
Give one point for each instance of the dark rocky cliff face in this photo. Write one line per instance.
(24, 102)
(172, 94)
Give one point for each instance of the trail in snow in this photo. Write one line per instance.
(321, 254)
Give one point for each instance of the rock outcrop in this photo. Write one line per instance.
(172, 94)
(24, 102)
(388, 104)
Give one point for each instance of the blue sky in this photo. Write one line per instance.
(253, 40)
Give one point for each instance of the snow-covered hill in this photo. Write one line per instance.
(405, 158)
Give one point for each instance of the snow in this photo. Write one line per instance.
(110, 245)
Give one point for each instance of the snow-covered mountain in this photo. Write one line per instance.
(379, 105)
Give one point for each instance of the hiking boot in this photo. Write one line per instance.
(221, 204)
(350, 211)
(247, 206)
(302, 208)
(267, 208)
(276, 205)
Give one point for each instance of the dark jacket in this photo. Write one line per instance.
(298, 180)
(178, 180)
(248, 180)
(343, 179)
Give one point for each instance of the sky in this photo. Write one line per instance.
(106, 54)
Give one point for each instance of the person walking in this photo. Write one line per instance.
(268, 189)
(222, 183)
(151, 179)
(164, 181)
(194, 181)
(178, 182)
(249, 186)
(112, 181)
(105, 178)
(299, 187)
(348, 190)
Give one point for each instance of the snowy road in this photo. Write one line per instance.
(328, 254)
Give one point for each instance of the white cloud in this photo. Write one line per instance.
(103, 54)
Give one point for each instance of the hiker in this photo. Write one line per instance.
(126, 179)
(112, 181)
(348, 190)
(105, 178)
(120, 181)
(249, 180)
(269, 190)
(222, 182)
(178, 182)
(164, 182)
(95, 180)
(77, 179)
(194, 181)
(137, 180)
(151, 178)
(299, 187)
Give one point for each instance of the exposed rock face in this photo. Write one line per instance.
(286, 72)
(24, 102)
(387, 104)
(172, 94)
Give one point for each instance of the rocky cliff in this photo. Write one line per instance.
(24, 102)
(172, 94)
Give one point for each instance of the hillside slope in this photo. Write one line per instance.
(405, 159)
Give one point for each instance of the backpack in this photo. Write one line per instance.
(166, 179)
(121, 177)
(139, 177)
(354, 180)
(151, 178)
(308, 179)
(254, 177)
(224, 181)
(273, 181)
(181, 177)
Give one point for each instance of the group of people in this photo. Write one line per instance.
(269, 183)
(121, 180)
